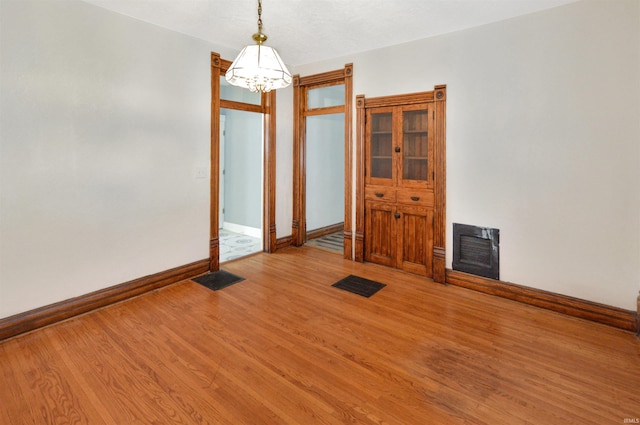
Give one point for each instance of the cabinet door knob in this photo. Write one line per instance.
(415, 198)
(397, 215)
(379, 194)
(397, 148)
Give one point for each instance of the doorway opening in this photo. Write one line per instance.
(240, 199)
(242, 190)
(322, 159)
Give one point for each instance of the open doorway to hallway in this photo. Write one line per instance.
(243, 167)
(322, 157)
(241, 173)
(324, 180)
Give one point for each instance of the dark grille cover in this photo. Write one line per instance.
(476, 250)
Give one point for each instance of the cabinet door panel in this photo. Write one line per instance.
(380, 146)
(415, 163)
(379, 243)
(415, 239)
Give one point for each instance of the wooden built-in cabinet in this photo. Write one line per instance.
(400, 143)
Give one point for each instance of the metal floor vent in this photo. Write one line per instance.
(476, 250)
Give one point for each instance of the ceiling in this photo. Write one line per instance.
(306, 31)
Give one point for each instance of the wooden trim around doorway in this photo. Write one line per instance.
(269, 179)
(214, 178)
(439, 190)
(348, 161)
(359, 164)
(300, 87)
(268, 109)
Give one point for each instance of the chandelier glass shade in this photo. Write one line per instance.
(259, 68)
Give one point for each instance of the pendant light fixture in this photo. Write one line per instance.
(259, 67)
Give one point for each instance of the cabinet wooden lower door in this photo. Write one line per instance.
(380, 239)
(399, 236)
(414, 228)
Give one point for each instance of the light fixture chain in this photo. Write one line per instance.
(259, 16)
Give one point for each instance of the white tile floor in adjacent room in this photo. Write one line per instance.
(236, 245)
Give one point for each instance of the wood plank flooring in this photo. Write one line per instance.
(284, 347)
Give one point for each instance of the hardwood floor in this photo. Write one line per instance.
(284, 347)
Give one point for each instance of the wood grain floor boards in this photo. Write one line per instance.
(284, 347)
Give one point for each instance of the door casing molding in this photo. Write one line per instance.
(268, 109)
(301, 85)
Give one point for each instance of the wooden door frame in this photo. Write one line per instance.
(268, 109)
(439, 98)
(300, 87)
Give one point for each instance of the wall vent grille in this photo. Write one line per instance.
(476, 250)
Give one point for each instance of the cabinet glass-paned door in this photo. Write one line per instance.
(381, 149)
(415, 142)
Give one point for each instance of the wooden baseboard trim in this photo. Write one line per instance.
(601, 313)
(323, 231)
(50, 314)
(284, 242)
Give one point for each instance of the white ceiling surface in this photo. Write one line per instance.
(306, 31)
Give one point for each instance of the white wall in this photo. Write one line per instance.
(543, 139)
(324, 170)
(104, 121)
(243, 168)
